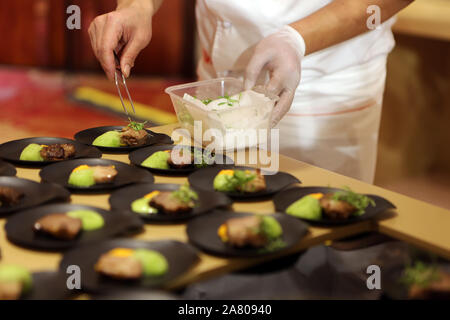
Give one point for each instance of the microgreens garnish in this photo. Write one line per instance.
(359, 201)
(136, 125)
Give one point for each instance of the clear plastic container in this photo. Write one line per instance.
(236, 127)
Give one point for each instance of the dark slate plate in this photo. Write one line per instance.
(7, 169)
(48, 286)
(204, 178)
(121, 200)
(180, 257)
(11, 150)
(19, 228)
(202, 233)
(59, 173)
(136, 158)
(34, 193)
(284, 199)
(89, 135)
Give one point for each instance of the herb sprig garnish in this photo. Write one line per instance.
(419, 274)
(186, 195)
(136, 125)
(239, 179)
(359, 201)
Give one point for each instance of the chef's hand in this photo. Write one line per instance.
(281, 53)
(128, 30)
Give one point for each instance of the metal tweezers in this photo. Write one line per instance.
(118, 70)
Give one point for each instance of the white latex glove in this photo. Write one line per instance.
(281, 53)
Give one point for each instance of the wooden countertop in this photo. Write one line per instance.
(425, 18)
(414, 221)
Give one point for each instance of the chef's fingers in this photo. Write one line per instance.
(92, 37)
(282, 107)
(257, 62)
(276, 82)
(131, 50)
(112, 32)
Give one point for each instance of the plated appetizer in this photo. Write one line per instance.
(15, 282)
(426, 281)
(133, 135)
(18, 194)
(62, 226)
(131, 264)
(248, 181)
(241, 183)
(86, 176)
(329, 206)
(9, 196)
(126, 263)
(37, 152)
(234, 234)
(252, 231)
(338, 205)
(53, 152)
(121, 139)
(94, 175)
(67, 226)
(166, 202)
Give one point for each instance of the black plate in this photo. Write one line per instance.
(89, 135)
(59, 173)
(11, 150)
(202, 233)
(7, 169)
(121, 200)
(180, 257)
(19, 228)
(34, 193)
(136, 158)
(203, 179)
(284, 199)
(48, 286)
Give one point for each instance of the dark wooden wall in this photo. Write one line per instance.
(34, 34)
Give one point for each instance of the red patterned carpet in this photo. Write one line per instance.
(42, 102)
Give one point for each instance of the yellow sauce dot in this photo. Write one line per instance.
(226, 172)
(151, 194)
(222, 233)
(121, 252)
(82, 167)
(316, 195)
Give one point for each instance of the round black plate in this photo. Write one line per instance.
(202, 233)
(19, 228)
(11, 150)
(136, 158)
(48, 286)
(59, 173)
(180, 257)
(284, 199)
(121, 200)
(7, 169)
(34, 193)
(89, 135)
(203, 179)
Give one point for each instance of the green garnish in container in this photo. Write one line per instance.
(359, 201)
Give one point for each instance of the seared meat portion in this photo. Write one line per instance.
(336, 209)
(245, 231)
(181, 159)
(10, 290)
(9, 196)
(132, 137)
(166, 202)
(58, 151)
(255, 185)
(439, 289)
(104, 174)
(121, 268)
(59, 225)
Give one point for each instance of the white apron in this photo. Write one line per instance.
(334, 119)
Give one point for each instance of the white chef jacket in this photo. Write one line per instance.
(334, 118)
